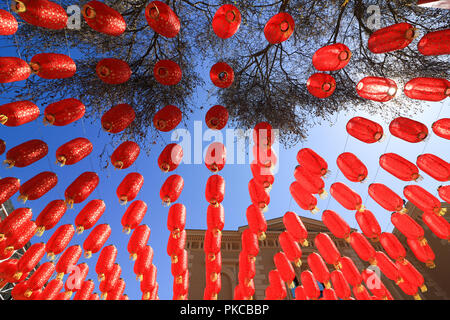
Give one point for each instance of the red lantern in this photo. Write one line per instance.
(408, 130)
(300, 293)
(424, 200)
(312, 162)
(290, 248)
(18, 239)
(2, 147)
(279, 28)
(434, 166)
(277, 288)
(110, 280)
(340, 285)
(105, 262)
(247, 267)
(167, 72)
(138, 240)
(321, 85)
(171, 189)
(350, 272)
(435, 43)
(329, 294)
(376, 89)
(96, 239)
(352, 168)
(393, 247)
(41, 13)
(73, 151)
(389, 268)
(408, 226)
(399, 167)
(258, 195)
(295, 228)
(386, 198)
(51, 289)
(64, 112)
(361, 293)
(215, 190)
(444, 193)
(332, 57)
(437, 224)
(15, 114)
(14, 221)
(256, 221)
(143, 262)
(89, 215)
(161, 18)
(338, 226)
(76, 278)
(103, 18)
(411, 274)
(125, 155)
(213, 243)
(181, 287)
(59, 240)
(26, 153)
(148, 282)
(348, 198)
(52, 66)
(423, 252)
(262, 174)
(129, 188)
(67, 261)
(176, 219)
(363, 247)
(29, 260)
(327, 249)
(50, 216)
(442, 128)
(167, 119)
(85, 291)
(37, 186)
(303, 198)
(222, 75)
(285, 268)
(170, 157)
(80, 189)
(13, 69)
(250, 243)
(134, 215)
(215, 218)
(410, 289)
(180, 267)
(392, 38)
(95, 297)
(310, 285)
(113, 71)
(368, 224)
(217, 117)
(214, 267)
(118, 118)
(263, 134)
(8, 24)
(8, 187)
(38, 279)
(226, 21)
(215, 157)
(364, 130)
(319, 269)
(427, 89)
(264, 156)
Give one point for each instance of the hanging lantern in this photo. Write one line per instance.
(59, 240)
(256, 221)
(386, 198)
(29, 260)
(125, 155)
(285, 268)
(18, 239)
(393, 247)
(351, 272)
(408, 272)
(217, 117)
(312, 162)
(277, 288)
(76, 278)
(170, 157)
(215, 190)
(442, 128)
(368, 224)
(8, 187)
(176, 219)
(215, 218)
(86, 290)
(37, 186)
(38, 279)
(52, 66)
(171, 189)
(279, 28)
(41, 13)
(103, 18)
(332, 57)
(340, 285)
(247, 267)
(167, 119)
(134, 215)
(143, 262)
(148, 282)
(262, 174)
(64, 112)
(113, 71)
(399, 167)
(427, 89)
(410, 289)
(291, 248)
(50, 216)
(361, 293)
(352, 168)
(434, 166)
(215, 157)
(423, 200)
(26, 153)
(348, 198)
(327, 249)
(14, 222)
(444, 193)
(8, 24)
(51, 289)
(408, 130)
(376, 89)
(300, 293)
(437, 224)
(363, 247)
(161, 18)
(105, 262)
(68, 259)
(329, 294)
(96, 239)
(95, 296)
(167, 72)
(226, 21)
(310, 285)
(15, 114)
(212, 244)
(387, 267)
(222, 75)
(423, 253)
(73, 151)
(392, 38)
(338, 226)
(129, 188)
(295, 228)
(81, 188)
(303, 198)
(13, 69)
(180, 289)
(321, 85)
(250, 243)
(118, 118)
(110, 280)
(138, 240)
(89, 215)
(264, 156)
(214, 268)
(364, 130)
(258, 195)
(435, 43)
(263, 134)
(319, 269)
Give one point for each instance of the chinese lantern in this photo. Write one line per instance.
(279, 28)
(96, 239)
(76, 278)
(361, 293)
(295, 228)
(143, 262)
(332, 57)
(170, 157)
(26, 153)
(262, 174)
(290, 248)
(408, 226)
(352, 168)
(427, 89)
(89, 215)
(319, 269)
(215, 190)
(118, 118)
(38, 279)
(214, 267)
(386, 198)
(18, 240)
(64, 112)
(410, 289)
(442, 128)
(181, 288)
(321, 85)
(14, 222)
(264, 156)
(364, 130)
(15, 114)
(148, 282)
(303, 198)
(363, 247)
(41, 13)
(37, 186)
(80, 189)
(444, 193)
(256, 221)
(258, 195)
(327, 249)
(138, 240)
(52, 65)
(350, 272)
(180, 266)
(277, 288)
(8, 24)
(13, 69)
(222, 75)
(375, 285)
(285, 268)
(29, 260)
(113, 71)
(312, 162)
(73, 151)
(408, 272)
(85, 291)
(68, 259)
(368, 224)
(8, 187)
(300, 293)
(167, 72)
(62, 296)
(215, 157)
(310, 285)
(424, 200)
(96, 297)
(329, 294)
(389, 268)
(134, 215)
(338, 226)
(59, 240)
(217, 117)
(212, 245)
(110, 280)
(161, 18)
(393, 247)
(377, 89)
(263, 134)
(125, 155)
(211, 289)
(437, 224)
(423, 252)
(392, 38)
(348, 198)
(215, 218)
(167, 119)
(51, 289)
(105, 262)
(435, 43)
(408, 129)
(246, 266)
(50, 216)
(399, 167)
(226, 21)
(340, 285)
(103, 18)
(250, 243)
(176, 219)
(434, 166)
(129, 188)
(171, 189)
